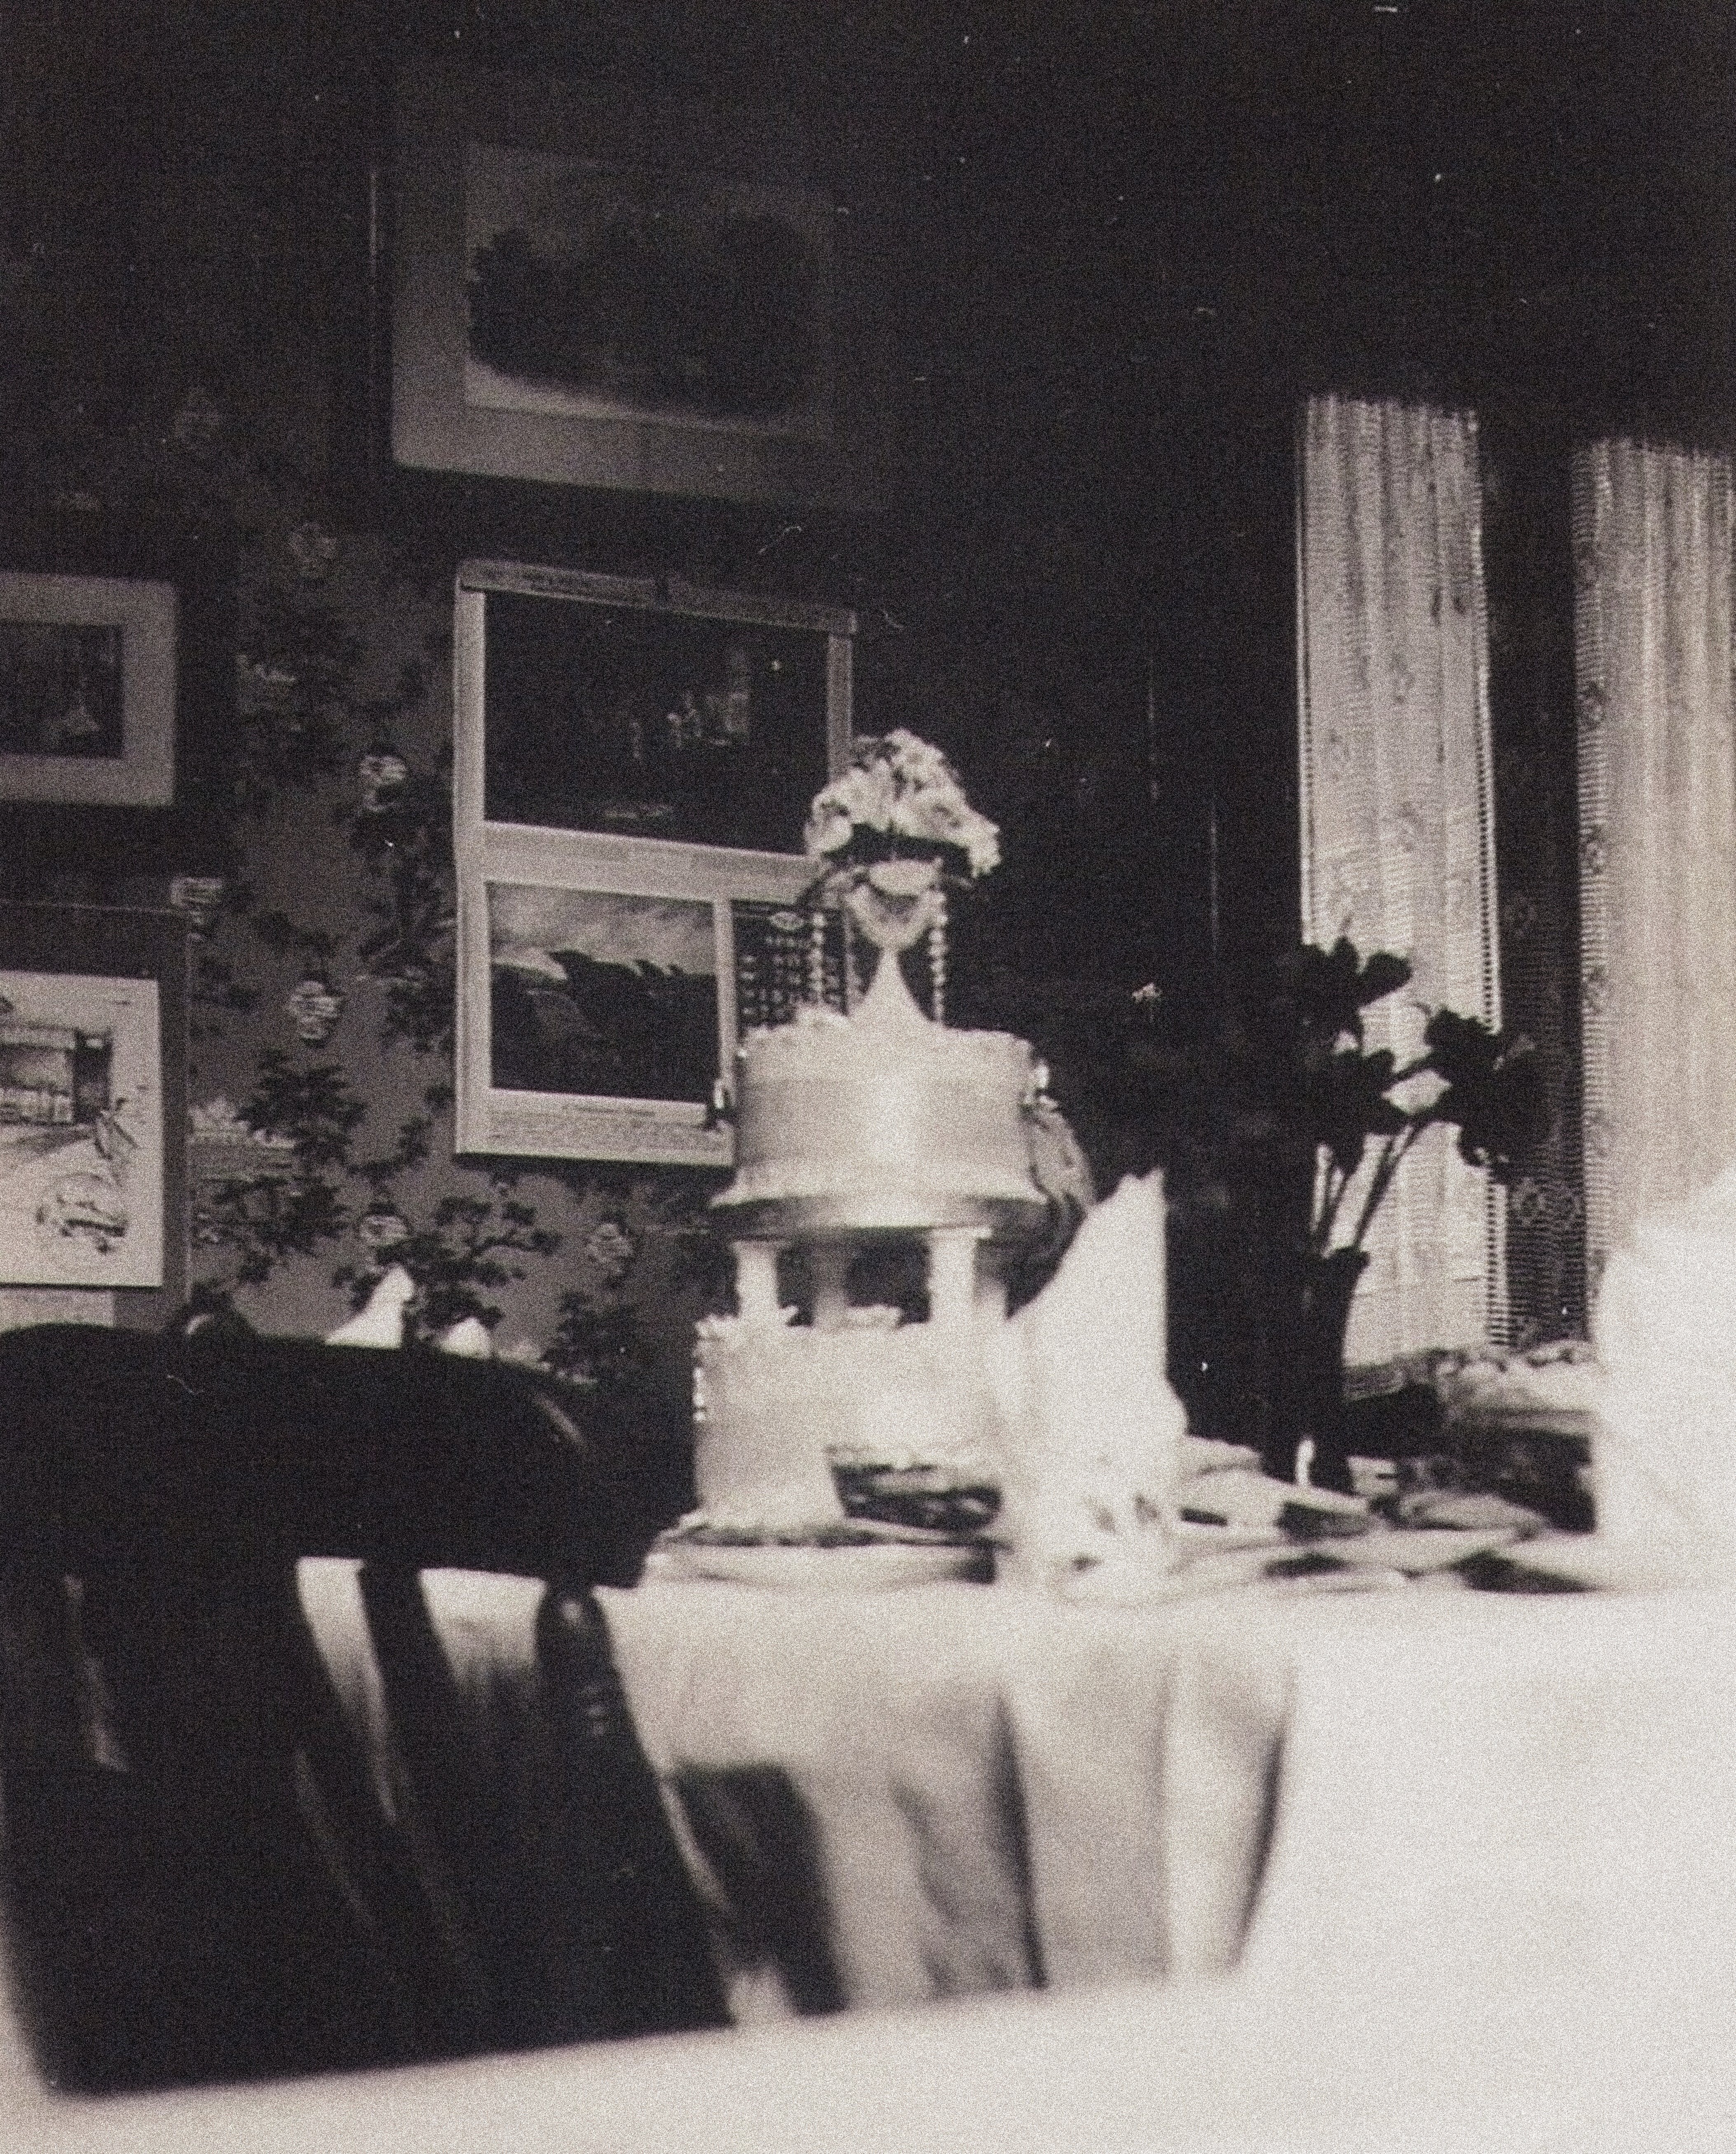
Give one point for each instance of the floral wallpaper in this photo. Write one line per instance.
(323, 961)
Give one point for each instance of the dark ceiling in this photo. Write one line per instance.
(1120, 240)
(1433, 193)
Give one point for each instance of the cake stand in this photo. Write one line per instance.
(853, 1134)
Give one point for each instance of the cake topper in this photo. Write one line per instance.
(891, 835)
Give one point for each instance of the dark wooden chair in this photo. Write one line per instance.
(201, 1881)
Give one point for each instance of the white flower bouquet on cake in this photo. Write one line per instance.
(900, 799)
(890, 836)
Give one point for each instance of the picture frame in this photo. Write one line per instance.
(617, 706)
(608, 732)
(88, 689)
(121, 844)
(93, 1104)
(603, 985)
(591, 289)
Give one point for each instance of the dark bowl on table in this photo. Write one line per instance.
(933, 1499)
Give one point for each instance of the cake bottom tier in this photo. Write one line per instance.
(775, 1404)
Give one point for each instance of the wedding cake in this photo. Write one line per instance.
(853, 1131)
(882, 1128)
(776, 1405)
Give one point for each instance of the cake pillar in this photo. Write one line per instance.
(829, 1265)
(952, 1276)
(991, 1295)
(756, 1281)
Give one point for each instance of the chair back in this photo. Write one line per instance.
(205, 1876)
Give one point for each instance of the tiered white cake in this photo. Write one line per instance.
(880, 1123)
(852, 1131)
(774, 1404)
(885, 1126)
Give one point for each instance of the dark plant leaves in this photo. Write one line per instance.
(1493, 1090)
(1324, 993)
(1345, 1104)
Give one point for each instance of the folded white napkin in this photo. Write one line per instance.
(469, 1338)
(1091, 1432)
(1664, 1447)
(381, 1322)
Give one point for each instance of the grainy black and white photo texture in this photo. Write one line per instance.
(354, 1792)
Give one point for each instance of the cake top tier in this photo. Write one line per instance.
(882, 1122)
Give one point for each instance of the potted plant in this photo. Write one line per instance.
(1304, 1069)
(1281, 1131)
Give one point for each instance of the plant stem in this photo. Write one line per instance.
(1391, 1155)
(1329, 1195)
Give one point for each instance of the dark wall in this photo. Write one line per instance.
(1113, 243)
(1120, 240)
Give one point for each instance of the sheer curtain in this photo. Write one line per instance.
(1397, 809)
(1652, 537)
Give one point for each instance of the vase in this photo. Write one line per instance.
(894, 903)
(1307, 1398)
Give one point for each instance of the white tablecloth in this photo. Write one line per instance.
(1496, 1909)
(891, 1797)
(987, 1789)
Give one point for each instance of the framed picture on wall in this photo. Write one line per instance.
(633, 767)
(87, 690)
(615, 707)
(603, 986)
(591, 289)
(93, 1099)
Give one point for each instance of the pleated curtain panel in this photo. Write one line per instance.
(1397, 811)
(1653, 657)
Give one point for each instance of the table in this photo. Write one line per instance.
(890, 1798)
(1492, 1902)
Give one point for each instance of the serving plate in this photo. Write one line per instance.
(1416, 1550)
(871, 1565)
